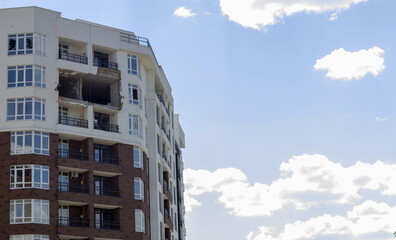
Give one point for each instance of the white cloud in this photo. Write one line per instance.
(378, 119)
(333, 16)
(367, 218)
(344, 65)
(306, 181)
(258, 14)
(183, 12)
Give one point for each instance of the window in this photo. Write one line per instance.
(139, 221)
(158, 145)
(139, 189)
(134, 125)
(26, 109)
(29, 43)
(160, 201)
(159, 172)
(63, 48)
(134, 94)
(29, 211)
(29, 142)
(26, 76)
(29, 176)
(137, 158)
(132, 64)
(29, 237)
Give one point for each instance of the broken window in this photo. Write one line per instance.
(134, 93)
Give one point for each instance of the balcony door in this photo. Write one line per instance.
(103, 218)
(63, 148)
(63, 181)
(102, 121)
(102, 59)
(102, 153)
(102, 185)
(63, 114)
(63, 212)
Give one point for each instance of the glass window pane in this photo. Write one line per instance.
(29, 77)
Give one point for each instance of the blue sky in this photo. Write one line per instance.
(288, 108)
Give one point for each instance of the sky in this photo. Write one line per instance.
(288, 107)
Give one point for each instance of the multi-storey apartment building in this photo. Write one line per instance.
(90, 147)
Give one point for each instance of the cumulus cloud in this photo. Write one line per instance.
(183, 12)
(378, 119)
(370, 217)
(258, 14)
(344, 65)
(306, 181)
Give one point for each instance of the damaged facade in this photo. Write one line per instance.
(90, 146)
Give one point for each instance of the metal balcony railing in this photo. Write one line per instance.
(75, 122)
(107, 159)
(106, 127)
(107, 225)
(112, 192)
(77, 188)
(63, 153)
(73, 57)
(105, 64)
(73, 222)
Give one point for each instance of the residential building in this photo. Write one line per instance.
(90, 147)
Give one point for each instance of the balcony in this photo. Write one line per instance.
(112, 192)
(76, 188)
(167, 190)
(107, 159)
(75, 122)
(73, 222)
(63, 153)
(112, 225)
(97, 62)
(106, 127)
(168, 219)
(72, 57)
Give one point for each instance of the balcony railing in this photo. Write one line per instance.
(107, 225)
(129, 38)
(73, 57)
(167, 215)
(63, 153)
(75, 122)
(73, 222)
(107, 159)
(77, 188)
(112, 192)
(106, 127)
(105, 64)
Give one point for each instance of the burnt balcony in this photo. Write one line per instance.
(72, 57)
(76, 188)
(63, 153)
(70, 121)
(106, 127)
(97, 62)
(73, 222)
(112, 225)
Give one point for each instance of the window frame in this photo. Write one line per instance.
(29, 237)
(18, 109)
(134, 99)
(138, 189)
(138, 158)
(17, 76)
(22, 205)
(27, 43)
(132, 64)
(41, 147)
(139, 215)
(35, 170)
(135, 119)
